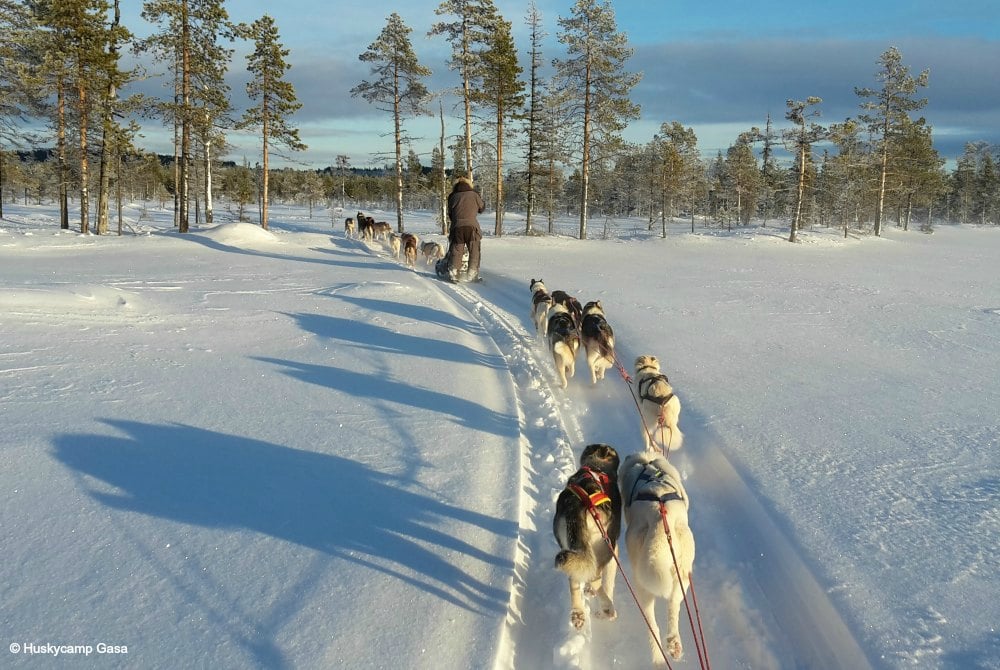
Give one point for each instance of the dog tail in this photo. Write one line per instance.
(574, 562)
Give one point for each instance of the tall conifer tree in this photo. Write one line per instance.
(397, 87)
(275, 98)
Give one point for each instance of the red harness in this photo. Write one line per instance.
(597, 498)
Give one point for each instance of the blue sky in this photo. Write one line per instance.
(719, 67)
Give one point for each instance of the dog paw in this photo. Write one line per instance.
(608, 613)
(674, 647)
(577, 618)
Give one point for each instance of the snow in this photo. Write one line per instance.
(242, 448)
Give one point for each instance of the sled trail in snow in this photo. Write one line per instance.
(762, 607)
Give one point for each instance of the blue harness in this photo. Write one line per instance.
(651, 474)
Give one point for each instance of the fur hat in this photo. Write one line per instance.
(463, 180)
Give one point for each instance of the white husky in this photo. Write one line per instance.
(660, 408)
(648, 481)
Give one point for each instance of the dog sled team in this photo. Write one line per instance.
(645, 490)
(404, 246)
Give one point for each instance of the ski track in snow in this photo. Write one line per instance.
(761, 606)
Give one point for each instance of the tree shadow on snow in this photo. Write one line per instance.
(378, 338)
(321, 501)
(466, 413)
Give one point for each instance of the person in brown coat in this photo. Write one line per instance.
(464, 204)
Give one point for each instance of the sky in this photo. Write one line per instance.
(720, 68)
(239, 448)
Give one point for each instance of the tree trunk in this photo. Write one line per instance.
(444, 179)
(61, 154)
(84, 164)
(498, 228)
(585, 166)
(185, 116)
(209, 211)
(264, 178)
(398, 137)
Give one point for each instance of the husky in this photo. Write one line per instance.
(432, 252)
(410, 243)
(381, 230)
(648, 481)
(598, 340)
(541, 301)
(394, 245)
(349, 228)
(585, 551)
(564, 342)
(660, 408)
(571, 304)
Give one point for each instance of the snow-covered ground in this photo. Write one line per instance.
(239, 448)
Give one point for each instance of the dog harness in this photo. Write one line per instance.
(651, 474)
(646, 383)
(598, 497)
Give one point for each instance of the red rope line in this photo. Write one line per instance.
(702, 654)
(621, 569)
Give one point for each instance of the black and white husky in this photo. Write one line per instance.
(661, 563)
(586, 547)
(659, 406)
(598, 340)
(541, 301)
(564, 342)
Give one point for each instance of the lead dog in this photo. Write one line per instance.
(585, 555)
(660, 408)
(598, 340)
(541, 302)
(564, 342)
(648, 481)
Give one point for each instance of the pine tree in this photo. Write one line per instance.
(274, 96)
(887, 110)
(677, 168)
(800, 140)
(746, 177)
(502, 92)
(469, 36)
(16, 59)
(189, 43)
(536, 87)
(593, 76)
(398, 87)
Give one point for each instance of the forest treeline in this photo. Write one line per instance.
(548, 146)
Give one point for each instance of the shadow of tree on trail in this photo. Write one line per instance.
(321, 501)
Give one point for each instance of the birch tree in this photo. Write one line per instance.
(397, 87)
(887, 110)
(594, 78)
(274, 97)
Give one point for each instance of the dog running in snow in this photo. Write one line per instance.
(394, 245)
(585, 554)
(410, 243)
(648, 481)
(571, 304)
(564, 342)
(660, 408)
(598, 340)
(541, 301)
(432, 252)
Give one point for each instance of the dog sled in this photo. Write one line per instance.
(442, 268)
